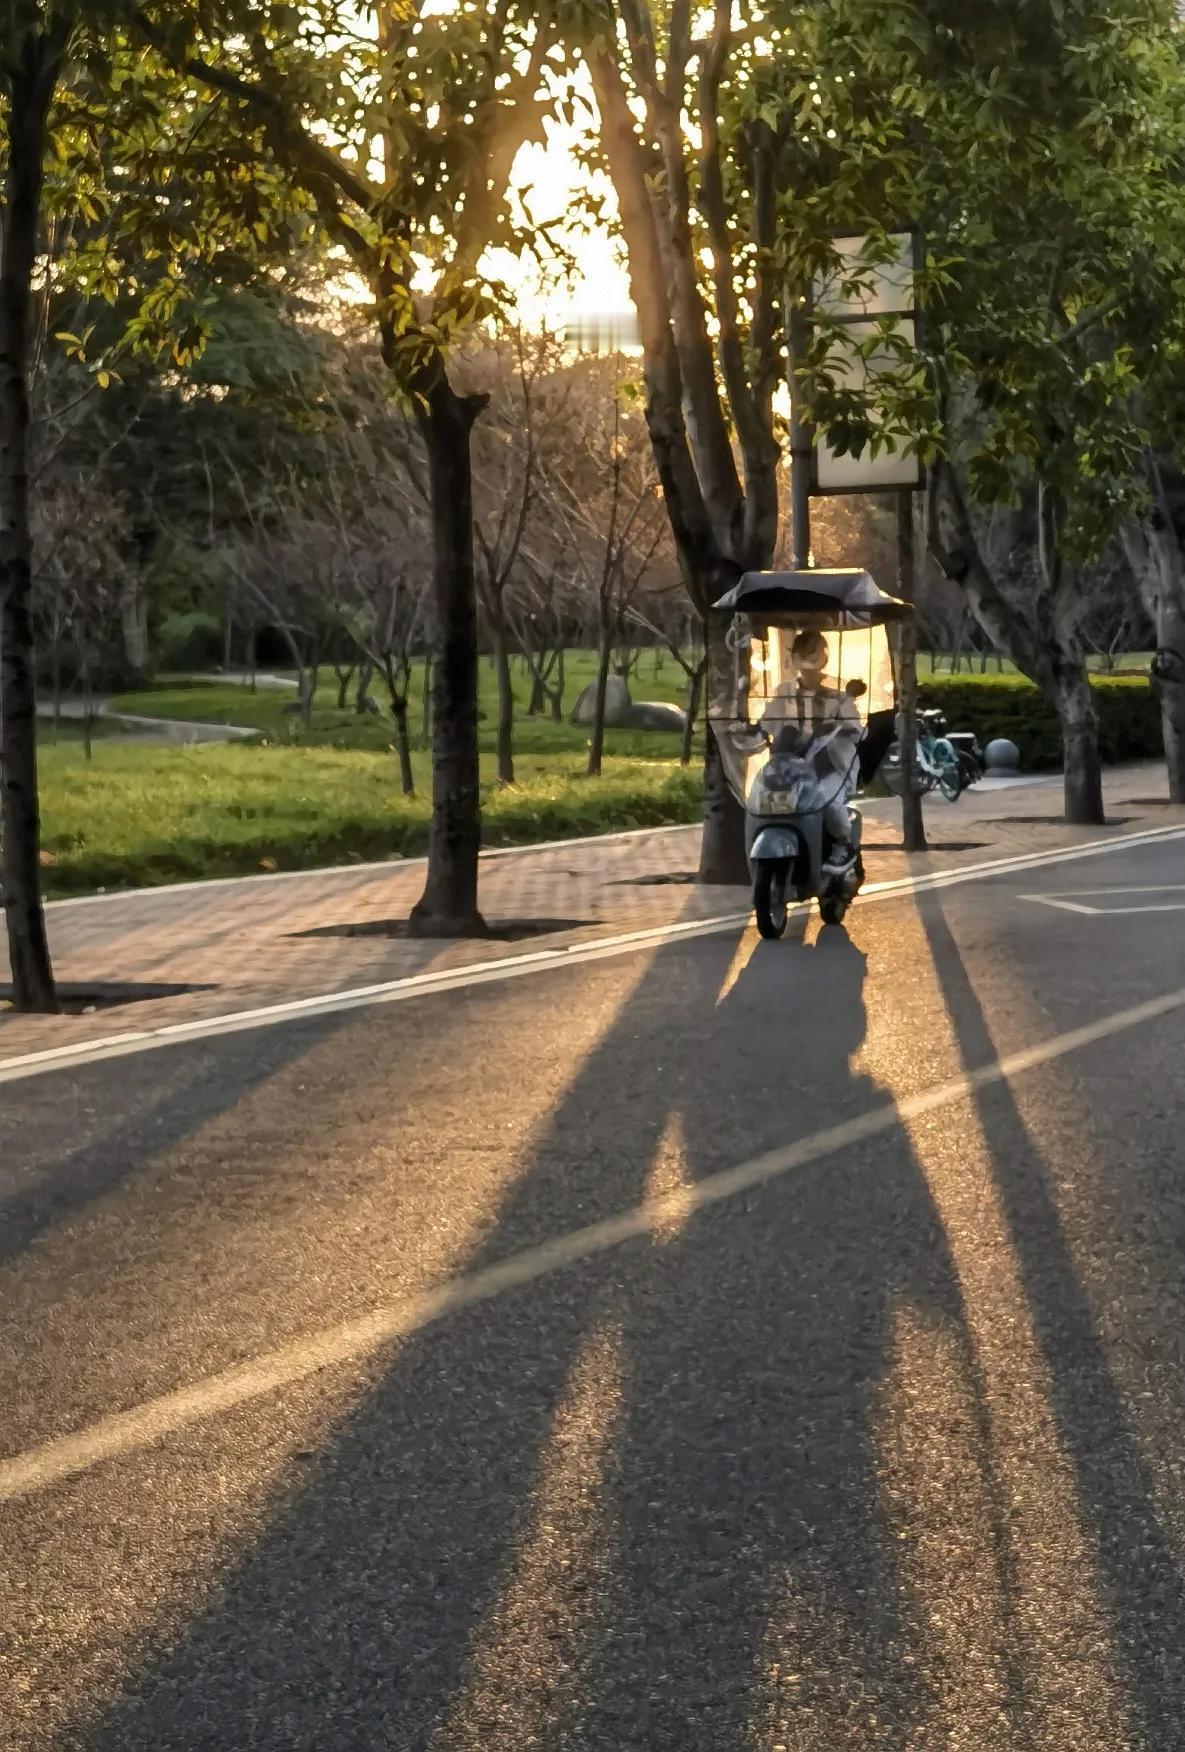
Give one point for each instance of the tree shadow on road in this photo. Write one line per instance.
(1138, 1573)
(49, 1179)
(643, 1501)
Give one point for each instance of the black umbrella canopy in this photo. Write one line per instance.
(851, 596)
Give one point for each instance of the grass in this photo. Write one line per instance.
(228, 703)
(138, 815)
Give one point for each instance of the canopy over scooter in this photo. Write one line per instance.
(810, 676)
(846, 593)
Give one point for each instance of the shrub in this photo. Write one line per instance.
(189, 641)
(1129, 716)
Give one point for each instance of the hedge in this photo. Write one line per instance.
(1129, 717)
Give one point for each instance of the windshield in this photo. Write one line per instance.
(801, 691)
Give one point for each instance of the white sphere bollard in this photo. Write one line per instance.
(1002, 756)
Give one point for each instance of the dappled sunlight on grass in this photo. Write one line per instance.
(139, 815)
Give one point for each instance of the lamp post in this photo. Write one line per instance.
(868, 290)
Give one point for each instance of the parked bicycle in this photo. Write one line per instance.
(947, 761)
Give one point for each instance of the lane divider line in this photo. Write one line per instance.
(477, 973)
(143, 1426)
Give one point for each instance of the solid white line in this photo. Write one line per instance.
(1069, 906)
(122, 1045)
(1075, 900)
(1156, 888)
(130, 1431)
(1111, 912)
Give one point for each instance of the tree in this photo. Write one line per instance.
(524, 406)
(674, 203)
(1154, 545)
(33, 45)
(1033, 145)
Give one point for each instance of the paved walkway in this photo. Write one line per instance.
(133, 724)
(241, 944)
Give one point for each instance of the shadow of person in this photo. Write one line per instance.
(427, 1583)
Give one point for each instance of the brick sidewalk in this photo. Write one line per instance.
(245, 944)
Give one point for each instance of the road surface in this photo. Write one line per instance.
(726, 1345)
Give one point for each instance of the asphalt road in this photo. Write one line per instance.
(881, 1446)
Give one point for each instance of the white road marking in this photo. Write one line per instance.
(389, 865)
(130, 1041)
(128, 1432)
(1076, 900)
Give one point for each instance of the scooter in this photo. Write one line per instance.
(787, 844)
(801, 713)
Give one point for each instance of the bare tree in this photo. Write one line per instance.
(605, 492)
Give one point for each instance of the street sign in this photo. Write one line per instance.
(868, 288)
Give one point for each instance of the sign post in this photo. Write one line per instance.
(868, 293)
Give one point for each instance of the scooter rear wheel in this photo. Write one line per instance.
(833, 907)
(769, 899)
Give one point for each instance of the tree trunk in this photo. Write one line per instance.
(448, 905)
(1168, 680)
(695, 686)
(913, 825)
(426, 702)
(1156, 554)
(362, 688)
(344, 678)
(596, 746)
(308, 698)
(407, 778)
(505, 741)
(538, 695)
(249, 658)
(133, 610)
(1071, 695)
(20, 861)
(88, 713)
(1172, 717)
(557, 697)
(722, 856)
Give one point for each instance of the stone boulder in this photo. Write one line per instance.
(618, 705)
(656, 715)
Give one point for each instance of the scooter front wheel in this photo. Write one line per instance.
(769, 899)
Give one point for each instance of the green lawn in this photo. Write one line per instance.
(227, 703)
(136, 815)
(139, 814)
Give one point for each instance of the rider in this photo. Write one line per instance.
(824, 723)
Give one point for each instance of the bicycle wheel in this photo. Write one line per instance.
(950, 779)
